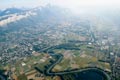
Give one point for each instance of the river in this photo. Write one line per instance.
(90, 75)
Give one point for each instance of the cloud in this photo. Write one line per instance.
(87, 3)
(63, 3)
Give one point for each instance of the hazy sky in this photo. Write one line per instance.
(72, 4)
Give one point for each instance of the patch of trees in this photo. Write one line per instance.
(68, 46)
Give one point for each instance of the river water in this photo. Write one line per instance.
(91, 75)
(88, 75)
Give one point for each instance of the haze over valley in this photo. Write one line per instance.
(50, 40)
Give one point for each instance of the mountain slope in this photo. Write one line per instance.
(9, 11)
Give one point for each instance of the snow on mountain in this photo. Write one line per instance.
(14, 17)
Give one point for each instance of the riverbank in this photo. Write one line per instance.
(94, 70)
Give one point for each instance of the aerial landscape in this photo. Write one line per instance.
(59, 40)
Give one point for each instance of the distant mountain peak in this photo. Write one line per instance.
(10, 11)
